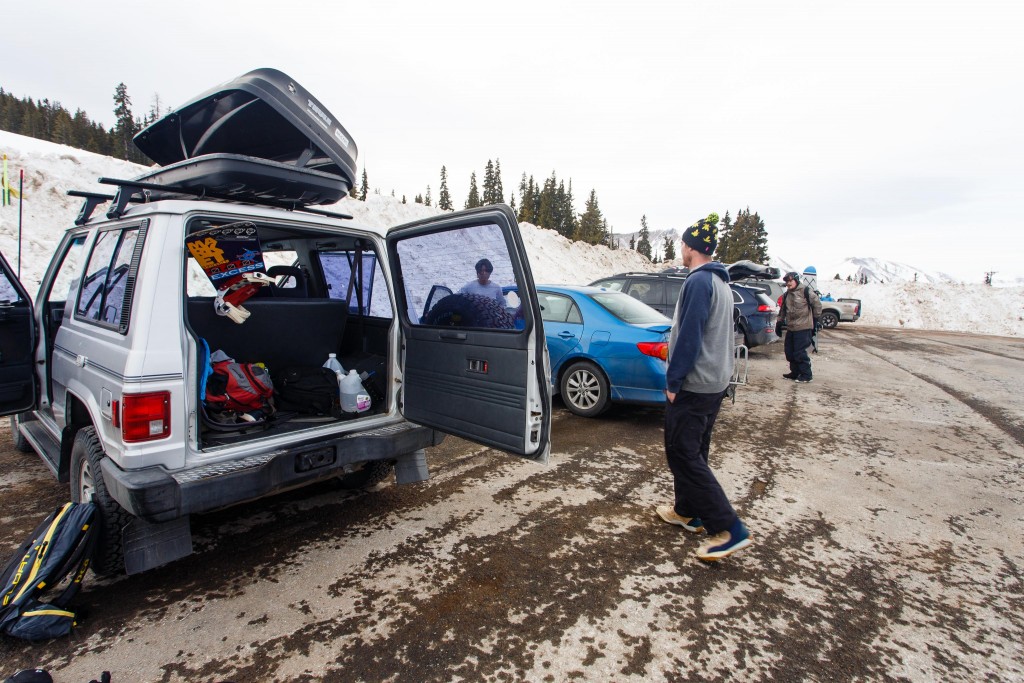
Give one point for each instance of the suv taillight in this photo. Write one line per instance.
(654, 349)
(765, 308)
(145, 417)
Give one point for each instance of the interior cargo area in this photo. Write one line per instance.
(326, 295)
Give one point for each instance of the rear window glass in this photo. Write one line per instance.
(628, 309)
(342, 282)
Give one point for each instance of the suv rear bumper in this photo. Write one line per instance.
(157, 495)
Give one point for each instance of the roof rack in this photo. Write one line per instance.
(139, 192)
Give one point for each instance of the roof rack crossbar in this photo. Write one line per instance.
(92, 200)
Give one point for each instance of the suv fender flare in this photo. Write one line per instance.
(77, 414)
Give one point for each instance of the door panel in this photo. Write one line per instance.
(474, 366)
(17, 343)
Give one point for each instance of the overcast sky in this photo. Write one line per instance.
(872, 128)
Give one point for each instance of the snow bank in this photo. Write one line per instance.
(51, 170)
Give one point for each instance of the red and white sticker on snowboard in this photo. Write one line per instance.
(231, 257)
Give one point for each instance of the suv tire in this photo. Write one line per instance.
(585, 390)
(18, 439)
(87, 485)
(370, 474)
(829, 320)
(470, 310)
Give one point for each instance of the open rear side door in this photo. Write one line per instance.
(473, 365)
(17, 342)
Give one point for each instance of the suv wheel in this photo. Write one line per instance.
(87, 486)
(18, 439)
(829, 320)
(370, 474)
(585, 390)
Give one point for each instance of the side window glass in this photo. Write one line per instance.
(70, 269)
(103, 288)
(474, 263)
(113, 298)
(338, 269)
(655, 294)
(90, 299)
(559, 309)
(7, 291)
(736, 298)
(613, 285)
(672, 289)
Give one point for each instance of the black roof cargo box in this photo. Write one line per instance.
(259, 136)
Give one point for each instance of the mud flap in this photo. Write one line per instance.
(148, 545)
(411, 468)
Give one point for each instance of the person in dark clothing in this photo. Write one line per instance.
(700, 367)
(801, 308)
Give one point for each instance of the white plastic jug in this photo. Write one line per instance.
(333, 364)
(354, 398)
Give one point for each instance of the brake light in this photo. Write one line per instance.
(145, 417)
(765, 308)
(654, 349)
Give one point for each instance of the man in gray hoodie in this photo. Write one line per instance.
(700, 366)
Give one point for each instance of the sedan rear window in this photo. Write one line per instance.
(629, 310)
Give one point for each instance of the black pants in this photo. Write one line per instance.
(796, 344)
(688, 424)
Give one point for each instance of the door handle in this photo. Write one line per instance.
(566, 335)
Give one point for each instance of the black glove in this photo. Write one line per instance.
(817, 325)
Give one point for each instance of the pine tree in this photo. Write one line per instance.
(403, 199)
(643, 245)
(418, 199)
(670, 248)
(591, 227)
(488, 195)
(724, 238)
(747, 240)
(426, 200)
(473, 200)
(444, 199)
(632, 242)
(499, 189)
(124, 129)
(364, 187)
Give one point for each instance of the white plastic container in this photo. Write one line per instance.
(333, 364)
(354, 398)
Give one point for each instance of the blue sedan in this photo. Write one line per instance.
(605, 347)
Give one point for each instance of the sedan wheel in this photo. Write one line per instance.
(585, 390)
(829, 320)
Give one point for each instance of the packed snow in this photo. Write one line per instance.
(892, 297)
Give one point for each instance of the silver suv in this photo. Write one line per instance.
(105, 375)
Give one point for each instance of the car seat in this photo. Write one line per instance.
(296, 275)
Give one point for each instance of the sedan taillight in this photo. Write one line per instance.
(145, 417)
(654, 349)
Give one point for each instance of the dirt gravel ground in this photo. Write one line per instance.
(886, 501)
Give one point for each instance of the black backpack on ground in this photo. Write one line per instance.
(62, 546)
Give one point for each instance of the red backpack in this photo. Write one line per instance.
(241, 387)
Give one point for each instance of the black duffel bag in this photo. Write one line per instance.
(308, 390)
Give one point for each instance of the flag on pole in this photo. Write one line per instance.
(6, 191)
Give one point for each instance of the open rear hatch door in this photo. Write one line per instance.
(473, 366)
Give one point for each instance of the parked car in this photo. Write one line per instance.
(754, 316)
(107, 373)
(757, 316)
(605, 347)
